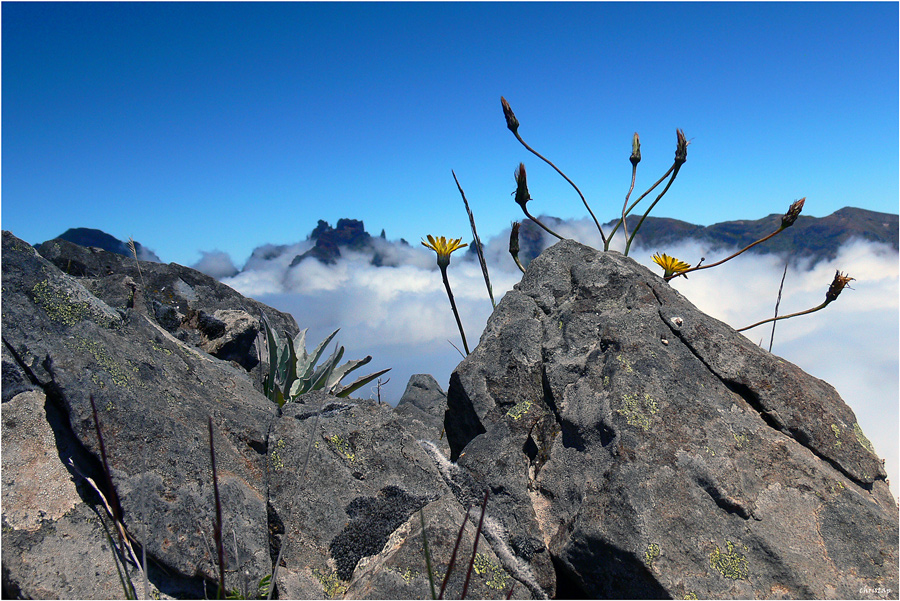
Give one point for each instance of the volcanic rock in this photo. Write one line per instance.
(654, 452)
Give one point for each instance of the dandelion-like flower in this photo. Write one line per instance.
(443, 247)
(670, 265)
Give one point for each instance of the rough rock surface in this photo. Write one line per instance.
(338, 482)
(655, 452)
(630, 445)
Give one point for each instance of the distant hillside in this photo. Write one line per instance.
(85, 236)
(817, 238)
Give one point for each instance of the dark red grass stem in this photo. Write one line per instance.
(475, 546)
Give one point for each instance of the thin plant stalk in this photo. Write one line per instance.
(779, 318)
(635, 203)
(513, 124)
(675, 170)
(427, 555)
(777, 303)
(680, 159)
(839, 282)
(543, 227)
(475, 545)
(478, 248)
(523, 196)
(635, 159)
(787, 220)
(462, 332)
(217, 529)
(728, 258)
(452, 562)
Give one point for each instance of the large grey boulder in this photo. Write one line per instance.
(342, 486)
(652, 451)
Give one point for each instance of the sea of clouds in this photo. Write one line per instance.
(401, 316)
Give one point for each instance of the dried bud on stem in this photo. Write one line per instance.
(522, 195)
(681, 149)
(514, 244)
(635, 150)
(788, 219)
(839, 282)
(511, 122)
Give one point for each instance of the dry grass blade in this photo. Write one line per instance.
(475, 545)
(777, 303)
(478, 248)
(217, 529)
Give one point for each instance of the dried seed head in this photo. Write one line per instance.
(788, 219)
(514, 239)
(681, 149)
(511, 122)
(522, 195)
(635, 150)
(839, 282)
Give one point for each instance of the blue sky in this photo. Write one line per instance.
(201, 126)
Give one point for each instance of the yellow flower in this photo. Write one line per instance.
(670, 265)
(443, 247)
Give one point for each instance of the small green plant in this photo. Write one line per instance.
(293, 371)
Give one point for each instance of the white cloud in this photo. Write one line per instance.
(215, 264)
(400, 314)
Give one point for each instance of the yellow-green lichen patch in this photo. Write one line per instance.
(496, 576)
(625, 363)
(407, 575)
(61, 308)
(730, 564)
(637, 411)
(740, 439)
(518, 410)
(837, 434)
(651, 554)
(158, 347)
(331, 584)
(277, 461)
(861, 438)
(120, 374)
(690, 595)
(342, 446)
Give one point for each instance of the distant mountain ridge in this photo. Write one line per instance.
(816, 238)
(85, 236)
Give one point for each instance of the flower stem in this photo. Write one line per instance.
(565, 177)
(625, 206)
(807, 312)
(746, 248)
(634, 204)
(675, 169)
(455, 312)
(544, 227)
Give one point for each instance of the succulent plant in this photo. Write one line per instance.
(293, 371)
